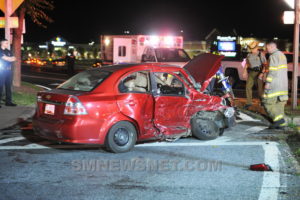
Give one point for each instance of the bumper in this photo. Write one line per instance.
(229, 117)
(68, 130)
(230, 122)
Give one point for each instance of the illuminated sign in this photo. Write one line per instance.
(226, 46)
(13, 22)
(43, 46)
(228, 54)
(226, 38)
(58, 42)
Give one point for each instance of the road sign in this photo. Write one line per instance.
(13, 22)
(15, 5)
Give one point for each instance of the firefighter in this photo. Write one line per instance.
(276, 87)
(255, 64)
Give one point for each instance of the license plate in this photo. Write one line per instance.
(49, 109)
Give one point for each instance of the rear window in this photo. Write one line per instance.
(85, 81)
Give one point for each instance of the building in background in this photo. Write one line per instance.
(59, 47)
(231, 45)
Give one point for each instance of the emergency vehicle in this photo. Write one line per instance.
(118, 49)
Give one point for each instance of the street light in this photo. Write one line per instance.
(291, 3)
(295, 5)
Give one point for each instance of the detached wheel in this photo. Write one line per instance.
(205, 129)
(121, 137)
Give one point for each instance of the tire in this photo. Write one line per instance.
(205, 129)
(121, 137)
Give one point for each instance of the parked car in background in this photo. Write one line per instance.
(59, 62)
(35, 62)
(118, 105)
(97, 63)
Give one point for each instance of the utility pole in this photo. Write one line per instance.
(296, 56)
(8, 10)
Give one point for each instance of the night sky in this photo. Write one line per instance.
(83, 21)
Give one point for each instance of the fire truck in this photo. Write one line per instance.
(118, 49)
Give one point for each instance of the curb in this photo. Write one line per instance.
(27, 114)
(294, 120)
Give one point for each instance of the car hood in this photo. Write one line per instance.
(203, 66)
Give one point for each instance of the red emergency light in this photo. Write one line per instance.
(161, 41)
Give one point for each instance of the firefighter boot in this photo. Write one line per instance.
(280, 124)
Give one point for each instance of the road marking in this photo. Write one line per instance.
(11, 139)
(209, 143)
(255, 129)
(271, 180)
(43, 77)
(44, 87)
(38, 146)
(55, 84)
(246, 117)
(155, 144)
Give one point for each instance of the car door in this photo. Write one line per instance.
(136, 101)
(122, 50)
(171, 104)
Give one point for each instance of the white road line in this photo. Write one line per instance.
(211, 143)
(247, 118)
(255, 129)
(11, 139)
(55, 84)
(156, 144)
(44, 87)
(271, 180)
(38, 146)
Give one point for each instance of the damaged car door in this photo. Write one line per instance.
(136, 101)
(171, 104)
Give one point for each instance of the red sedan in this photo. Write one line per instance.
(117, 106)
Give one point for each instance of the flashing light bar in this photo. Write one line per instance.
(161, 41)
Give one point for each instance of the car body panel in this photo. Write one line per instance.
(204, 66)
(171, 114)
(139, 108)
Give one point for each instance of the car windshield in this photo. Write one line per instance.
(171, 55)
(85, 81)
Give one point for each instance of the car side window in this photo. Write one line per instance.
(168, 84)
(137, 82)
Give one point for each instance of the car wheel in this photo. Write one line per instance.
(121, 137)
(205, 129)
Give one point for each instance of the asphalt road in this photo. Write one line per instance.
(48, 79)
(34, 168)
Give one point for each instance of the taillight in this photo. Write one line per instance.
(74, 107)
